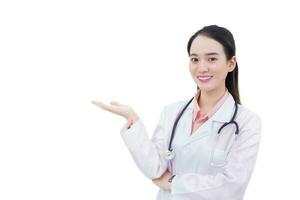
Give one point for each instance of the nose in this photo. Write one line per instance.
(201, 67)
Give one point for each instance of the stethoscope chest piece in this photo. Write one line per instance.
(170, 154)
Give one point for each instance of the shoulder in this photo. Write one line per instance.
(248, 119)
(174, 106)
(171, 110)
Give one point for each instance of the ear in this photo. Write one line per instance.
(232, 64)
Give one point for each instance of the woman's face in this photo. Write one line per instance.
(208, 64)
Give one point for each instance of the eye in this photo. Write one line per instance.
(212, 59)
(194, 59)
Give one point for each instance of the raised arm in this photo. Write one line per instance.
(147, 153)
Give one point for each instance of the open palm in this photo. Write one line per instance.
(116, 108)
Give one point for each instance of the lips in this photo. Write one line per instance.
(204, 78)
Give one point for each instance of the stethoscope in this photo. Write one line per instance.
(170, 154)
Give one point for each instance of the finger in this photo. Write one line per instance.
(109, 108)
(116, 103)
(99, 104)
(102, 105)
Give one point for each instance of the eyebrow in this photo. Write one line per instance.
(207, 54)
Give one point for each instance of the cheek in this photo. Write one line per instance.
(192, 68)
(221, 76)
(219, 71)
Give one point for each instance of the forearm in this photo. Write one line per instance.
(145, 152)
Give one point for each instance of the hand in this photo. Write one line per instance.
(162, 181)
(116, 108)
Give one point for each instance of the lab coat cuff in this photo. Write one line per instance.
(174, 185)
(179, 187)
(131, 120)
(132, 136)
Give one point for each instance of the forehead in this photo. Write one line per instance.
(202, 45)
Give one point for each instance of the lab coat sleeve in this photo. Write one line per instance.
(231, 183)
(147, 153)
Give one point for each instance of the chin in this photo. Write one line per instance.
(205, 88)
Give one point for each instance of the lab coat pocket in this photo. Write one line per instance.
(221, 144)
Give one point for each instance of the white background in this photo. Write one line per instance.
(58, 56)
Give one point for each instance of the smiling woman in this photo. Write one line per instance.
(217, 139)
(213, 61)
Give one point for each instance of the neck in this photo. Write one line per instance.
(209, 99)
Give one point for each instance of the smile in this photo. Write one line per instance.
(204, 79)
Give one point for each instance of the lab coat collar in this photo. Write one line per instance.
(224, 113)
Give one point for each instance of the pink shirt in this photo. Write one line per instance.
(198, 117)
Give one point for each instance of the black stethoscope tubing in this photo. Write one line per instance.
(232, 121)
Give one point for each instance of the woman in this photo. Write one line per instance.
(211, 152)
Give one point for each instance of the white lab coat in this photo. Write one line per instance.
(207, 166)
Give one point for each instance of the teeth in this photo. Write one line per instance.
(204, 78)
